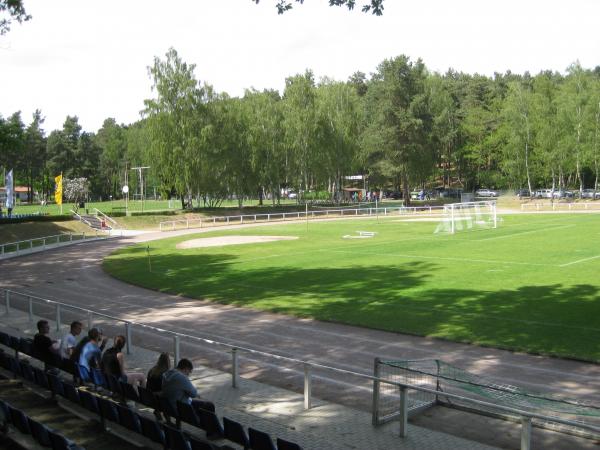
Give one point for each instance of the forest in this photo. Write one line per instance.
(403, 127)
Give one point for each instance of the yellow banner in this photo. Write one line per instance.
(58, 190)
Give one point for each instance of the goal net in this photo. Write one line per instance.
(468, 216)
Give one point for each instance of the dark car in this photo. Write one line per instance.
(523, 193)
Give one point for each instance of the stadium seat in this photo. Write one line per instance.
(14, 366)
(13, 342)
(68, 366)
(4, 413)
(26, 346)
(19, 419)
(129, 391)
(129, 419)
(260, 440)
(59, 442)
(108, 410)
(71, 393)
(197, 444)
(282, 444)
(4, 339)
(56, 385)
(167, 409)
(98, 378)
(234, 432)
(147, 397)
(89, 401)
(187, 414)
(27, 371)
(39, 431)
(113, 384)
(152, 430)
(176, 440)
(209, 422)
(41, 379)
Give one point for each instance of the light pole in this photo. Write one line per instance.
(141, 177)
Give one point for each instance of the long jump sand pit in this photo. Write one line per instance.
(231, 240)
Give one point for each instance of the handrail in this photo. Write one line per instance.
(298, 215)
(525, 415)
(81, 219)
(110, 219)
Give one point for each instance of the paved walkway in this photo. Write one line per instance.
(281, 412)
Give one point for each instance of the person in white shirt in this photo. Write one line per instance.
(69, 341)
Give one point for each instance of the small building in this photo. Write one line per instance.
(20, 194)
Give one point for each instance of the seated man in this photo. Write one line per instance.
(176, 386)
(92, 350)
(45, 348)
(69, 340)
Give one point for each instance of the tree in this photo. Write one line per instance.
(15, 10)
(34, 155)
(373, 6)
(75, 190)
(112, 142)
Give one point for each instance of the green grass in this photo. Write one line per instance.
(530, 285)
(10, 232)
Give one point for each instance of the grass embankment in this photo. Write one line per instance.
(10, 232)
(530, 285)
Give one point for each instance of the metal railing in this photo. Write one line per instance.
(110, 219)
(525, 416)
(44, 243)
(172, 225)
(556, 205)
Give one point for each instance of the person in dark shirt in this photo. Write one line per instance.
(113, 362)
(45, 348)
(154, 381)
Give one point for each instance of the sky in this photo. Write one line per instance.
(90, 58)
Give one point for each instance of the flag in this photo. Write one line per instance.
(58, 190)
(10, 190)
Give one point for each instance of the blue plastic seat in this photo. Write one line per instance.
(41, 378)
(129, 391)
(19, 419)
(4, 339)
(4, 412)
(27, 371)
(198, 444)
(108, 409)
(39, 431)
(89, 401)
(113, 384)
(71, 393)
(147, 397)
(99, 379)
(152, 430)
(176, 440)
(187, 414)
(209, 422)
(56, 385)
(129, 419)
(14, 365)
(282, 444)
(259, 440)
(60, 442)
(234, 432)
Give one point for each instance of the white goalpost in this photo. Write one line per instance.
(468, 216)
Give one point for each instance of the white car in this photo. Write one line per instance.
(486, 193)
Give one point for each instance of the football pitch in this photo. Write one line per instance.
(531, 285)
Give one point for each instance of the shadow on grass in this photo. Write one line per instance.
(552, 319)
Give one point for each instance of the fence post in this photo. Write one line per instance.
(307, 386)
(90, 320)
(30, 309)
(7, 303)
(234, 368)
(17, 248)
(187, 224)
(128, 336)
(176, 350)
(58, 317)
(526, 433)
(376, 385)
(403, 411)
(70, 237)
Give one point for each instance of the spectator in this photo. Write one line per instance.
(44, 347)
(69, 340)
(92, 350)
(155, 375)
(113, 363)
(176, 386)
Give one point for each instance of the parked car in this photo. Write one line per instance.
(543, 193)
(590, 193)
(486, 193)
(523, 193)
(561, 193)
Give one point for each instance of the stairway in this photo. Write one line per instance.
(95, 222)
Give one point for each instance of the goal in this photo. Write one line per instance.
(468, 216)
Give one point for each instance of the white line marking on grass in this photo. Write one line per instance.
(523, 232)
(486, 261)
(580, 261)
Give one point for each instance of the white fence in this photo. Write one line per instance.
(54, 310)
(45, 243)
(559, 206)
(172, 225)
